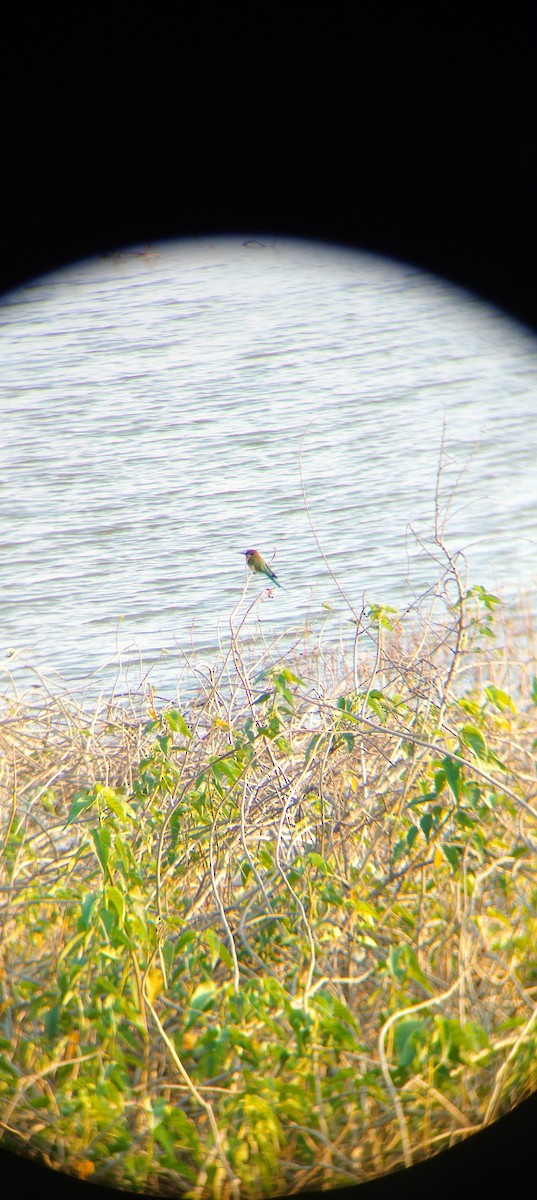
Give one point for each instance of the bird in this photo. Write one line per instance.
(257, 564)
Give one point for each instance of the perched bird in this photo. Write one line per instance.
(257, 563)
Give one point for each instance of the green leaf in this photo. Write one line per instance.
(473, 738)
(440, 780)
(411, 836)
(101, 840)
(408, 1036)
(464, 820)
(281, 682)
(378, 613)
(164, 741)
(119, 806)
(489, 600)
(201, 1001)
(316, 861)
(397, 962)
(185, 939)
(452, 772)
(415, 971)
(88, 906)
(479, 593)
(398, 850)
(456, 1042)
(301, 1023)
(469, 706)
(499, 699)
(52, 1021)
(176, 722)
(533, 692)
(325, 1002)
(150, 725)
(229, 769)
(116, 900)
(425, 799)
(364, 910)
(125, 853)
(290, 677)
(81, 802)
(219, 950)
(472, 793)
(377, 702)
(452, 854)
(426, 824)
(181, 1124)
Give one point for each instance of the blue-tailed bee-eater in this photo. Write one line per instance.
(257, 564)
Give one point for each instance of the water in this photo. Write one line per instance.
(162, 412)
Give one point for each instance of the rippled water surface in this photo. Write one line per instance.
(157, 409)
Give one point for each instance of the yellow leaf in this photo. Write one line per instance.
(155, 980)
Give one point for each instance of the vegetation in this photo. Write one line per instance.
(285, 938)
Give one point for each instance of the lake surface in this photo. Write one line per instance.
(163, 411)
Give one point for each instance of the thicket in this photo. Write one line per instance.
(284, 938)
